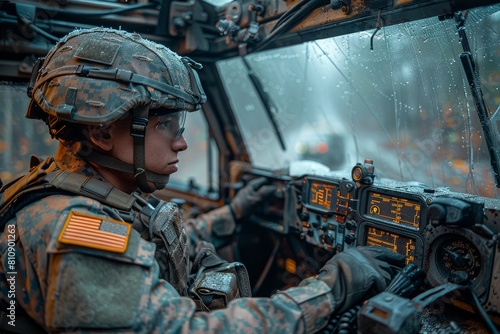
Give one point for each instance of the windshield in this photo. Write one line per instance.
(398, 96)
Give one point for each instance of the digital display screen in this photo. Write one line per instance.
(395, 209)
(322, 196)
(392, 241)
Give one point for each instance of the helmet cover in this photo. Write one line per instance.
(95, 76)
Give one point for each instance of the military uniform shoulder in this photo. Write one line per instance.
(97, 234)
(50, 212)
(69, 222)
(85, 227)
(93, 231)
(64, 220)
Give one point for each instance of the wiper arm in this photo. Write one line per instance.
(477, 94)
(266, 100)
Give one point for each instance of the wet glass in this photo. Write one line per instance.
(406, 104)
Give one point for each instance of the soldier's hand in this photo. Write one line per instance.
(255, 192)
(358, 274)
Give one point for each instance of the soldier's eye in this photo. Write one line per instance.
(162, 125)
(171, 125)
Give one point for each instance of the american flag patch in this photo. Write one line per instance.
(95, 232)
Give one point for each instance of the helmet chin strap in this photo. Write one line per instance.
(138, 132)
(159, 180)
(142, 176)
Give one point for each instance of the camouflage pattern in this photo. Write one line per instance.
(65, 90)
(216, 223)
(67, 288)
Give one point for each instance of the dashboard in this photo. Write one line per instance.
(446, 234)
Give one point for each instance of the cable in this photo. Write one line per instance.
(378, 26)
(481, 312)
(267, 267)
(407, 281)
(55, 39)
(103, 13)
(347, 323)
(290, 22)
(37, 29)
(288, 13)
(332, 325)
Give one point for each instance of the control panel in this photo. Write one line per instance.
(328, 211)
(446, 234)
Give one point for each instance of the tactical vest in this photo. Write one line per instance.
(157, 221)
(216, 281)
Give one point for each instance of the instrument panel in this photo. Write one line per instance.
(397, 242)
(393, 209)
(327, 212)
(392, 219)
(443, 233)
(320, 195)
(447, 235)
(327, 197)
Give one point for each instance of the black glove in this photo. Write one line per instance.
(359, 273)
(251, 195)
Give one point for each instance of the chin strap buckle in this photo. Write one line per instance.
(138, 127)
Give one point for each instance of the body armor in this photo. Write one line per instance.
(216, 281)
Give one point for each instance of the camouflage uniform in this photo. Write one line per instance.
(66, 287)
(202, 230)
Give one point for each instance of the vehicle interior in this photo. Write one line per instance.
(379, 121)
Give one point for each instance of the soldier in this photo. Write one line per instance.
(84, 249)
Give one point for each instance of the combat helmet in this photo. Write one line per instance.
(96, 76)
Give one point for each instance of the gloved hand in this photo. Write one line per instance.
(358, 274)
(251, 195)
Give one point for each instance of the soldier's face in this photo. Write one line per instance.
(162, 143)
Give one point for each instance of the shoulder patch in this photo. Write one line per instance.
(95, 232)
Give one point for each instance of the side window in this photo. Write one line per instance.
(198, 165)
(20, 137)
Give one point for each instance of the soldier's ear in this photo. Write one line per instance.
(100, 136)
